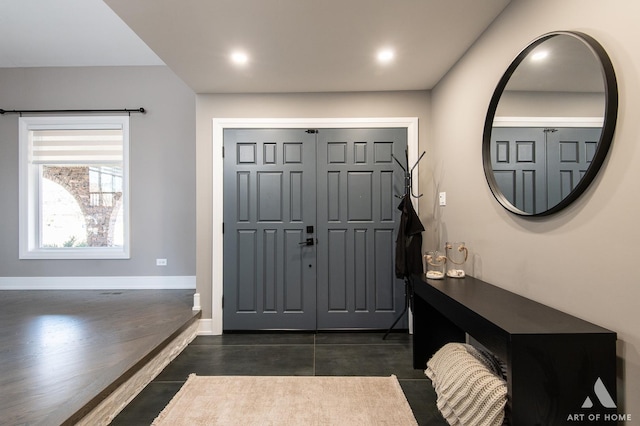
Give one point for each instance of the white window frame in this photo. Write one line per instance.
(29, 189)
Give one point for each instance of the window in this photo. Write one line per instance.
(74, 197)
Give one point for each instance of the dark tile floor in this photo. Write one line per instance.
(290, 354)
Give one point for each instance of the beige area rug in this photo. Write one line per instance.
(284, 400)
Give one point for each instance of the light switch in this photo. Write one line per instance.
(443, 198)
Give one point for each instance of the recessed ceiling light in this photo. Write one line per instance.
(239, 58)
(385, 55)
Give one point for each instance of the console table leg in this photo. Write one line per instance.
(431, 331)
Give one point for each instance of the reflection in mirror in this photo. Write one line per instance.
(550, 124)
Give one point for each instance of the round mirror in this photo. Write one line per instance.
(550, 123)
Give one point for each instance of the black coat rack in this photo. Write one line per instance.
(408, 190)
(408, 174)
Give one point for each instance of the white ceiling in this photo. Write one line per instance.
(293, 45)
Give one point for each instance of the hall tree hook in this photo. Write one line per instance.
(408, 174)
(411, 174)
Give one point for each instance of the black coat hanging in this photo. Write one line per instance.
(409, 241)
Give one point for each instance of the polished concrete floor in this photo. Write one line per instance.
(291, 354)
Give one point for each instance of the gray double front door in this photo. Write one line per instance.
(310, 221)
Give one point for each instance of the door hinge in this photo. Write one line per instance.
(223, 152)
(223, 227)
(223, 301)
(311, 131)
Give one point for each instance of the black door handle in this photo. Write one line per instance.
(307, 242)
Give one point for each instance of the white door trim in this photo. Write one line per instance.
(220, 124)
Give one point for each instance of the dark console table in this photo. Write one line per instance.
(553, 359)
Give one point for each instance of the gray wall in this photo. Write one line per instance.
(584, 259)
(545, 104)
(162, 164)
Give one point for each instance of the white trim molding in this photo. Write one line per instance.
(205, 327)
(99, 283)
(548, 121)
(31, 242)
(220, 124)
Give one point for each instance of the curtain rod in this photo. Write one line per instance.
(69, 111)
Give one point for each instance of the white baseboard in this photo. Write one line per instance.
(205, 328)
(99, 283)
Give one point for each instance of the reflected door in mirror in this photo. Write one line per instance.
(537, 167)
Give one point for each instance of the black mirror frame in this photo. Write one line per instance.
(606, 136)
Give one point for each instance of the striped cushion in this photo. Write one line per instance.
(470, 390)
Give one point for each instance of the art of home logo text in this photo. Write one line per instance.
(603, 397)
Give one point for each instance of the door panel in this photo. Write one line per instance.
(269, 199)
(276, 183)
(357, 221)
(519, 160)
(569, 151)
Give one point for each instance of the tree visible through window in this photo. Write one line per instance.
(74, 187)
